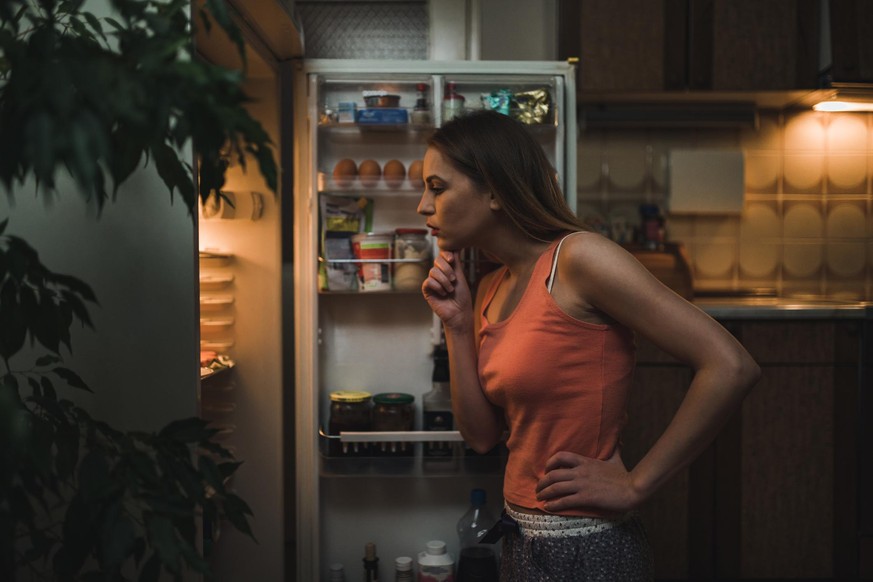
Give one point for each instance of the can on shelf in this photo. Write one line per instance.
(350, 411)
(393, 411)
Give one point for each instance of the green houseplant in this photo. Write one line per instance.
(100, 98)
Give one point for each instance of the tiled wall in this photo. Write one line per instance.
(807, 222)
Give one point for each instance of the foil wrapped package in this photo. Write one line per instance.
(532, 106)
(499, 101)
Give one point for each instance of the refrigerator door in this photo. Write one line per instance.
(356, 328)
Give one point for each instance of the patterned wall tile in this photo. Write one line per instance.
(807, 224)
(763, 170)
(804, 173)
(847, 133)
(847, 173)
(804, 131)
(802, 220)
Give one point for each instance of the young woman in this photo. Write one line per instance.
(546, 351)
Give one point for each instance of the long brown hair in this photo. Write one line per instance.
(499, 154)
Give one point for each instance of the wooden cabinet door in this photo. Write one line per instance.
(658, 389)
(651, 46)
(754, 45)
(798, 452)
(620, 44)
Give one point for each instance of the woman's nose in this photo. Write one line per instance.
(425, 205)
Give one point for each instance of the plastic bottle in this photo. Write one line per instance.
(371, 563)
(403, 569)
(337, 573)
(453, 102)
(437, 406)
(435, 564)
(421, 113)
(476, 562)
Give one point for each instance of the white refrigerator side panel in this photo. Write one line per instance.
(306, 344)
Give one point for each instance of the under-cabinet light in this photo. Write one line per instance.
(845, 97)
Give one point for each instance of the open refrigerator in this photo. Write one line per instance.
(383, 341)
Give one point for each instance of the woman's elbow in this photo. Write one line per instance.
(479, 444)
(745, 371)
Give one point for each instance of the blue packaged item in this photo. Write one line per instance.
(382, 115)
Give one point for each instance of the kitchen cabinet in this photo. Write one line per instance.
(851, 41)
(776, 495)
(646, 46)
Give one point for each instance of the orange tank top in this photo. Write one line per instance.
(563, 383)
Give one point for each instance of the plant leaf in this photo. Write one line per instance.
(71, 378)
(162, 537)
(187, 430)
(151, 571)
(236, 510)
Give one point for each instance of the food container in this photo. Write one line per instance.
(372, 248)
(411, 245)
(393, 411)
(382, 100)
(350, 411)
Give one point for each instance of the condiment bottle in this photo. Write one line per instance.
(403, 569)
(371, 563)
(337, 573)
(453, 102)
(437, 406)
(434, 564)
(421, 113)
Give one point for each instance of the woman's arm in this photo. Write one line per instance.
(447, 293)
(601, 275)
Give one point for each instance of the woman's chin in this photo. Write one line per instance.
(447, 246)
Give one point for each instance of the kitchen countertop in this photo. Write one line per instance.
(783, 308)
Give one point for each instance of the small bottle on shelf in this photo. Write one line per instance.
(435, 564)
(337, 573)
(453, 102)
(437, 405)
(421, 113)
(403, 569)
(371, 563)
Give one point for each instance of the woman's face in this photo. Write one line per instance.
(457, 211)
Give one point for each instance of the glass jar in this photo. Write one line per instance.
(393, 411)
(411, 245)
(350, 411)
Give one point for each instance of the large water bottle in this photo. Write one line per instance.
(477, 562)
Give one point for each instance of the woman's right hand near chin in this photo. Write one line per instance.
(447, 292)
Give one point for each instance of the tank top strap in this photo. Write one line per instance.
(551, 279)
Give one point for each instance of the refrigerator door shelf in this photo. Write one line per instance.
(323, 260)
(215, 279)
(404, 436)
(353, 185)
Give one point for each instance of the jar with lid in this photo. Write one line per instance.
(413, 251)
(350, 410)
(393, 411)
